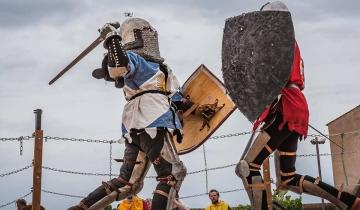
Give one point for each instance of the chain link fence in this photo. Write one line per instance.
(21, 139)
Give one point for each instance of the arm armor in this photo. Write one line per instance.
(117, 55)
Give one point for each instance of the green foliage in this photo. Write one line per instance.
(286, 201)
(108, 208)
(242, 207)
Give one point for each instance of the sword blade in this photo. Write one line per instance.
(248, 145)
(78, 58)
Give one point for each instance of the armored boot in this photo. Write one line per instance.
(92, 198)
(119, 185)
(249, 172)
(312, 186)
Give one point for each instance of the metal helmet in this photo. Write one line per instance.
(140, 37)
(274, 6)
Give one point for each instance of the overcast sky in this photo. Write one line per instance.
(39, 38)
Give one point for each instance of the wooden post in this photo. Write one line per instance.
(38, 145)
(267, 182)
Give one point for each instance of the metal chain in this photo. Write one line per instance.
(21, 147)
(314, 135)
(80, 140)
(14, 201)
(20, 138)
(189, 173)
(193, 196)
(107, 174)
(202, 194)
(110, 160)
(16, 171)
(327, 154)
(231, 135)
(75, 172)
(68, 195)
(234, 190)
(115, 141)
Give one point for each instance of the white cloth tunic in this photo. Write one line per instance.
(149, 110)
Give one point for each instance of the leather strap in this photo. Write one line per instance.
(268, 148)
(287, 174)
(120, 179)
(257, 186)
(281, 153)
(148, 91)
(317, 180)
(83, 206)
(255, 165)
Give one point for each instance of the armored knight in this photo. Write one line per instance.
(149, 119)
(283, 123)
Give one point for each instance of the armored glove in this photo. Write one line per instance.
(183, 105)
(117, 57)
(103, 73)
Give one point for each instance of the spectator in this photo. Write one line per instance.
(20, 203)
(216, 204)
(133, 203)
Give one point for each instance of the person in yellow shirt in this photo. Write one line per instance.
(133, 203)
(216, 204)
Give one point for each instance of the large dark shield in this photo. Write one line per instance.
(257, 57)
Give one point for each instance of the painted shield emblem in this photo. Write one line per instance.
(212, 106)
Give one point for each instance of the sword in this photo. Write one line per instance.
(248, 145)
(103, 32)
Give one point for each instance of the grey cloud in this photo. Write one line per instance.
(190, 33)
(14, 14)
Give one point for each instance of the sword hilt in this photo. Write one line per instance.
(103, 32)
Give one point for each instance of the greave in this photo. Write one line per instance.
(312, 186)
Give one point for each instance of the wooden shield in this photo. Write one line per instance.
(203, 88)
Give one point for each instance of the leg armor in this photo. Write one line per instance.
(130, 181)
(292, 181)
(312, 186)
(171, 173)
(249, 170)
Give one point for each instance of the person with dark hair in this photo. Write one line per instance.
(216, 204)
(20, 203)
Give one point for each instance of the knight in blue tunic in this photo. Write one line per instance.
(149, 121)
